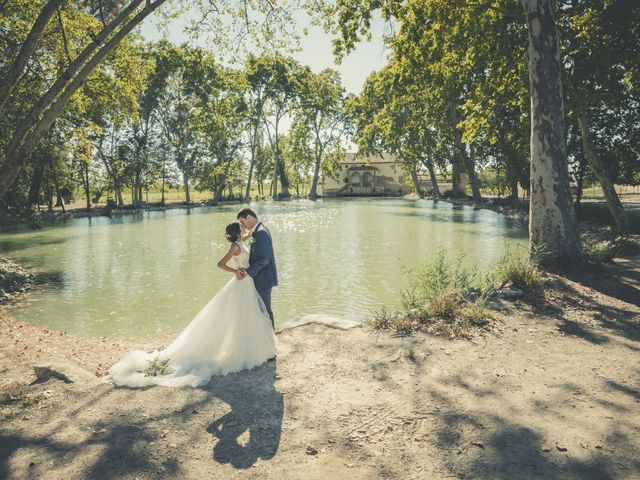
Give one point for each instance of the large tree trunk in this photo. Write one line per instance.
(16, 71)
(464, 159)
(435, 189)
(313, 193)
(470, 168)
(185, 182)
(111, 171)
(613, 201)
(36, 184)
(217, 194)
(553, 229)
(34, 128)
(49, 194)
(86, 185)
(163, 180)
(252, 163)
(511, 163)
(285, 183)
(274, 190)
(414, 177)
(60, 199)
(455, 175)
(247, 195)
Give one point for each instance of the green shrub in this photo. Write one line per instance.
(444, 299)
(394, 320)
(515, 268)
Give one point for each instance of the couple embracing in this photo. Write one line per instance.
(233, 332)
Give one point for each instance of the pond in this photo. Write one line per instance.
(147, 274)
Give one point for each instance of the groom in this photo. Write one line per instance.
(262, 262)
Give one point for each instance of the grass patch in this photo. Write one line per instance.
(517, 270)
(444, 299)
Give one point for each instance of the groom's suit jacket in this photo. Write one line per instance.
(262, 261)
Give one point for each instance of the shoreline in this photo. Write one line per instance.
(59, 216)
(591, 212)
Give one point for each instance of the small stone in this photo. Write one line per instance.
(561, 448)
(65, 371)
(478, 444)
(311, 450)
(545, 449)
(511, 293)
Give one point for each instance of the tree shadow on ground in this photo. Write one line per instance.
(562, 298)
(121, 444)
(484, 445)
(125, 434)
(610, 284)
(256, 409)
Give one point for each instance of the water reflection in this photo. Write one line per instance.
(149, 273)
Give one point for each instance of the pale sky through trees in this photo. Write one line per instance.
(316, 48)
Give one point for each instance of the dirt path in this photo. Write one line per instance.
(551, 393)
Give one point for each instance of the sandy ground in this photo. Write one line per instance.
(551, 392)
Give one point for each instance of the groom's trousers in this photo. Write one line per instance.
(265, 295)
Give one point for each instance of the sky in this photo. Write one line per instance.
(316, 48)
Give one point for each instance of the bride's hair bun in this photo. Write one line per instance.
(232, 232)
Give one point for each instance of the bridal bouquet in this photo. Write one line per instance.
(156, 367)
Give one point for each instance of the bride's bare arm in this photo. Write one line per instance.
(234, 250)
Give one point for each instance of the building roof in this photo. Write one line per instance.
(353, 158)
(358, 167)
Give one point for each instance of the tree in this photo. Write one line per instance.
(553, 226)
(254, 79)
(390, 116)
(321, 99)
(601, 44)
(552, 221)
(104, 38)
(285, 76)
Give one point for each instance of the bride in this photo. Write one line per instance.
(232, 332)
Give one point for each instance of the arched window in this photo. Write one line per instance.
(355, 179)
(367, 178)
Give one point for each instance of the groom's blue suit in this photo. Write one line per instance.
(262, 265)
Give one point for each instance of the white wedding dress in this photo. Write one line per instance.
(232, 332)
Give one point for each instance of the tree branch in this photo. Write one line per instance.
(10, 82)
(64, 35)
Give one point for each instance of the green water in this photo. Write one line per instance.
(147, 275)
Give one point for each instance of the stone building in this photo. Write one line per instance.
(381, 174)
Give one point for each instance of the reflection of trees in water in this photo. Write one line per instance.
(256, 407)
